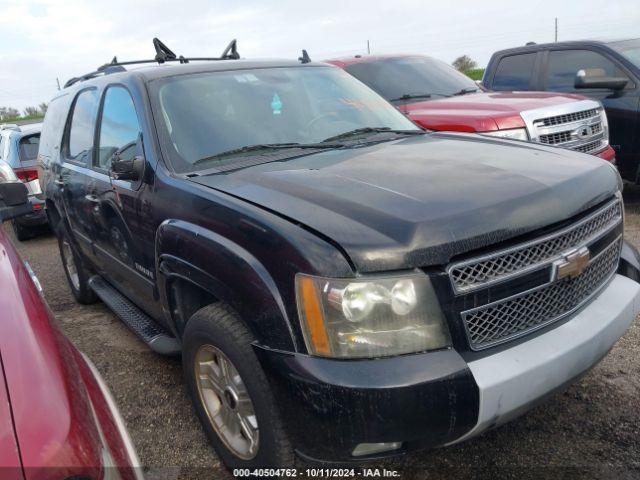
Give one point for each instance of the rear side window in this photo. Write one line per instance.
(82, 127)
(29, 147)
(119, 128)
(54, 121)
(514, 72)
(564, 65)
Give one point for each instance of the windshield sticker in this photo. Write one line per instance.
(246, 78)
(276, 104)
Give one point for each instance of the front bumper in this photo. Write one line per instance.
(433, 399)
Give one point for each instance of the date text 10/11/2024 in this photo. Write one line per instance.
(316, 473)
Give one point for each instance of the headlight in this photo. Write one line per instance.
(373, 317)
(513, 133)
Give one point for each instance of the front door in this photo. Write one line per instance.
(123, 239)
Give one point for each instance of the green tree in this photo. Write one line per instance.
(464, 63)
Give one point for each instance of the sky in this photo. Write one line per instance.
(45, 40)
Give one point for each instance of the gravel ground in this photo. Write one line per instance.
(592, 430)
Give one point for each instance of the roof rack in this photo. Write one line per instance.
(305, 58)
(163, 54)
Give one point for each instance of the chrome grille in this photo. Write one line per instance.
(568, 118)
(515, 316)
(590, 147)
(479, 272)
(580, 125)
(554, 138)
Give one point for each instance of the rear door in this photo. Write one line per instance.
(560, 70)
(124, 235)
(76, 155)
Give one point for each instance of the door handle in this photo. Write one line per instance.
(58, 182)
(92, 198)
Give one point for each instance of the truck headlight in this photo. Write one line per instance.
(370, 317)
(513, 133)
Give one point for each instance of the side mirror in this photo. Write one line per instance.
(127, 169)
(130, 169)
(14, 200)
(603, 82)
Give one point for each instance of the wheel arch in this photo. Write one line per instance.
(204, 267)
(53, 214)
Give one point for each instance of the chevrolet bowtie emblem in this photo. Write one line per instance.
(572, 263)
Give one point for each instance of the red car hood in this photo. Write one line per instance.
(481, 112)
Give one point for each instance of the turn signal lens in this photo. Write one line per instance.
(312, 314)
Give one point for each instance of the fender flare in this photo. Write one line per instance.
(228, 272)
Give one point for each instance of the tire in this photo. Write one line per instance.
(75, 269)
(218, 327)
(21, 232)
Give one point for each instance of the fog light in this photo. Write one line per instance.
(363, 449)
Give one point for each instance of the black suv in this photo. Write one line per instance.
(606, 71)
(341, 284)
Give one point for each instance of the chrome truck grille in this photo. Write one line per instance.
(597, 237)
(580, 126)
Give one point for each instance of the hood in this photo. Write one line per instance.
(419, 201)
(481, 112)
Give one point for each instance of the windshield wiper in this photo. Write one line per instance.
(464, 91)
(264, 147)
(411, 96)
(361, 131)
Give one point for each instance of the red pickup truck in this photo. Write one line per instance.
(438, 97)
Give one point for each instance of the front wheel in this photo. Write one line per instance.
(231, 393)
(74, 268)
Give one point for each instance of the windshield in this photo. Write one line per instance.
(630, 49)
(206, 114)
(395, 78)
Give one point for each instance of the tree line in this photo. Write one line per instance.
(10, 113)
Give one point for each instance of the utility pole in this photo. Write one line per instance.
(556, 29)
(368, 48)
(58, 82)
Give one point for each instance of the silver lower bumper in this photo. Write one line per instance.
(513, 380)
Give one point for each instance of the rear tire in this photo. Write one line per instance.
(77, 273)
(21, 232)
(214, 337)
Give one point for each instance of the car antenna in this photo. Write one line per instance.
(305, 58)
(231, 52)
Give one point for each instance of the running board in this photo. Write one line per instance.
(142, 324)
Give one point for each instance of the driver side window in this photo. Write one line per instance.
(119, 128)
(564, 65)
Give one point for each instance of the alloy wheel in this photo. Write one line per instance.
(226, 400)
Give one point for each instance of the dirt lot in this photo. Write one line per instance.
(590, 431)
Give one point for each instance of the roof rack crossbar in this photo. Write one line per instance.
(163, 55)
